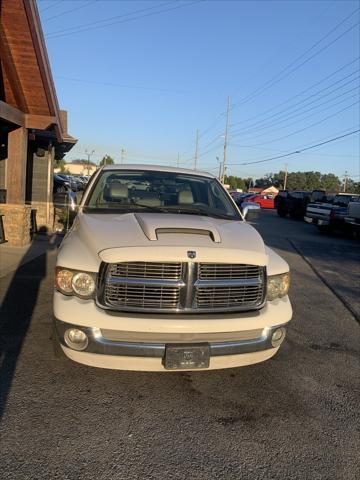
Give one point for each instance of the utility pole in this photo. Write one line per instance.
(88, 159)
(122, 158)
(226, 140)
(220, 167)
(196, 149)
(345, 181)
(178, 160)
(285, 177)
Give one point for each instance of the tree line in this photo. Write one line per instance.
(296, 181)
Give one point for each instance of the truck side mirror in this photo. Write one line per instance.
(250, 210)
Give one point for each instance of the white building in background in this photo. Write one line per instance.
(79, 168)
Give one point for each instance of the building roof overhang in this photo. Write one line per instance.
(27, 94)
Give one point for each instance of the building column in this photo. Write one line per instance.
(16, 166)
(16, 215)
(42, 189)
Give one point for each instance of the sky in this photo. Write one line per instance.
(144, 76)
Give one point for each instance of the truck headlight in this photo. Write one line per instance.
(278, 286)
(83, 284)
(73, 282)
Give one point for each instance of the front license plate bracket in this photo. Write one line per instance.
(185, 356)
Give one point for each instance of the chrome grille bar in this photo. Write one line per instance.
(146, 270)
(209, 271)
(181, 287)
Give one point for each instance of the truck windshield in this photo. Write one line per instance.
(343, 200)
(164, 192)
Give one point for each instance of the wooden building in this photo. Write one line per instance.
(33, 130)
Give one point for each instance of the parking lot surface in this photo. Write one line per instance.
(295, 416)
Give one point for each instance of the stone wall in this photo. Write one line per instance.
(17, 223)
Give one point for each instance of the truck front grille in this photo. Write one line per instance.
(229, 297)
(181, 287)
(146, 270)
(142, 296)
(212, 271)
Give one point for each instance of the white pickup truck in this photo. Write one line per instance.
(161, 272)
(352, 218)
(330, 216)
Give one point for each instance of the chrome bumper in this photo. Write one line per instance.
(317, 220)
(100, 345)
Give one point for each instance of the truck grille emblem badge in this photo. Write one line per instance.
(191, 254)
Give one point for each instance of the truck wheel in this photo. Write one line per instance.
(58, 351)
(282, 213)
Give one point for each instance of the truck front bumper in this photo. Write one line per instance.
(138, 342)
(103, 352)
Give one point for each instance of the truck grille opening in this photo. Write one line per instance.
(146, 270)
(181, 287)
(225, 297)
(211, 271)
(142, 296)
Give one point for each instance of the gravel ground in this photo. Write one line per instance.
(295, 416)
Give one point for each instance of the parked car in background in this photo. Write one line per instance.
(352, 218)
(265, 201)
(241, 197)
(78, 183)
(330, 216)
(60, 184)
(167, 276)
(69, 180)
(294, 203)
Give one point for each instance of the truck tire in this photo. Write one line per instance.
(282, 213)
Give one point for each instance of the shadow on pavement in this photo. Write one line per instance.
(19, 299)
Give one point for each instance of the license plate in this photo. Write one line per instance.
(180, 357)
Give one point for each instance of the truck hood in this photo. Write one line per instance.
(164, 237)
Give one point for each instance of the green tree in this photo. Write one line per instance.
(330, 183)
(82, 161)
(107, 160)
(352, 187)
(235, 182)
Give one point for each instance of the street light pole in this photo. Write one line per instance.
(220, 167)
(286, 175)
(226, 140)
(196, 149)
(88, 159)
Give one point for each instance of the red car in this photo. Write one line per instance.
(265, 201)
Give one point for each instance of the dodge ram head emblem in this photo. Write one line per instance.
(191, 254)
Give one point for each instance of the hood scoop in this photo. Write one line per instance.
(158, 224)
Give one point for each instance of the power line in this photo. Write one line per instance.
(70, 11)
(113, 17)
(266, 128)
(51, 6)
(277, 78)
(300, 93)
(299, 150)
(304, 101)
(309, 126)
(58, 34)
(112, 84)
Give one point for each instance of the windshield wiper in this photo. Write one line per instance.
(159, 208)
(163, 209)
(201, 211)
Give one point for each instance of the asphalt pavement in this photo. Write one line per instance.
(293, 417)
